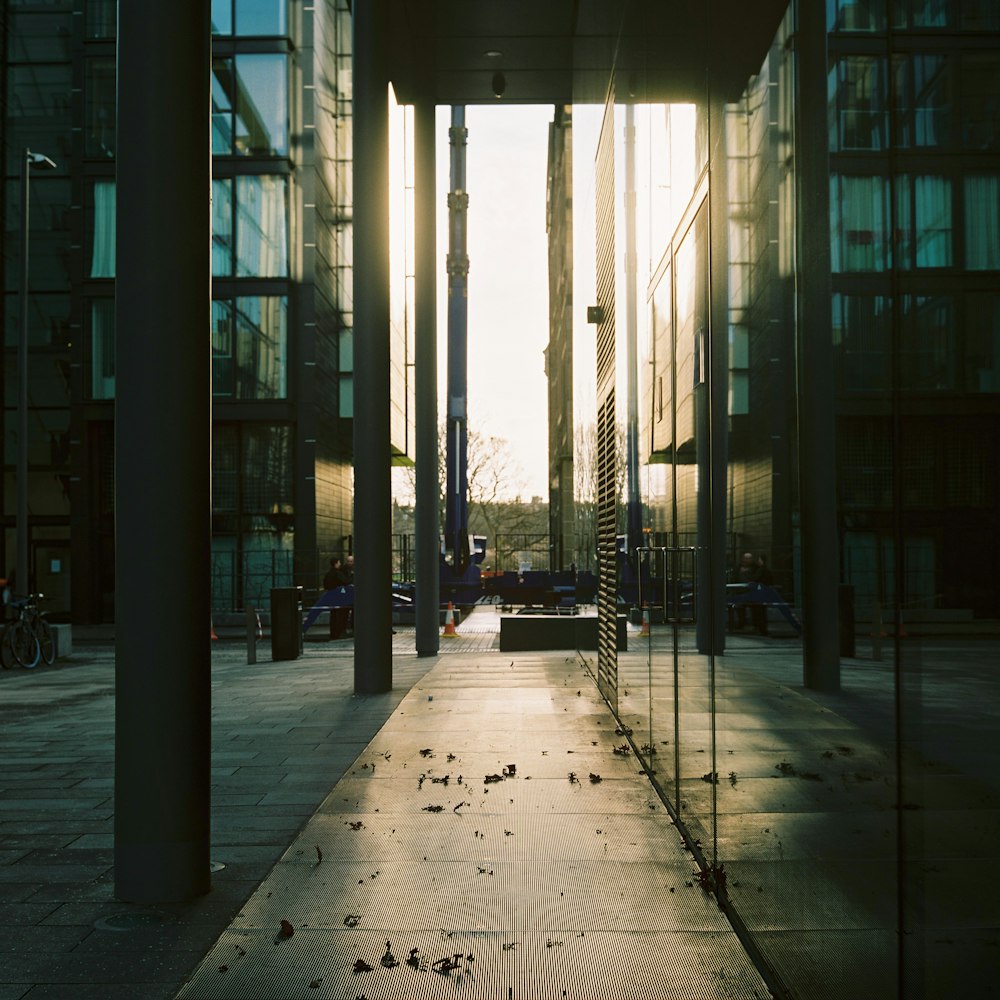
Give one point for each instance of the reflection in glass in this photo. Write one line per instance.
(51, 197)
(861, 340)
(982, 342)
(858, 214)
(38, 37)
(48, 321)
(102, 256)
(688, 373)
(261, 127)
(222, 17)
(251, 17)
(266, 466)
(857, 103)
(662, 364)
(102, 349)
(260, 17)
(932, 215)
(249, 347)
(922, 101)
(980, 99)
(222, 227)
(855, 15)
(982, 222)
(250, 105)
(928, 349)
(222, 107)
(102, 18)
(261, 227)
(922, 13)
(100, 108)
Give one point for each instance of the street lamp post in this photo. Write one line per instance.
(42, 161)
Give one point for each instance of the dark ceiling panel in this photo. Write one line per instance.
(560, 51)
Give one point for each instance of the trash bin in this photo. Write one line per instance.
(286, 623)
(845, 616)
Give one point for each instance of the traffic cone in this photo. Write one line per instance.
(645, 619)
(449, 623)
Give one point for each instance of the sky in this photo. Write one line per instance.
(507, 156)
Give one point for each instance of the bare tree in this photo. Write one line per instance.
(496, 483)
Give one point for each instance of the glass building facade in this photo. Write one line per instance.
(279, 333)
(844, 879)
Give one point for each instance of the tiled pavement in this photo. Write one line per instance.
(285, 733)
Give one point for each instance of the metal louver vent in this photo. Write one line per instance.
(607, 562)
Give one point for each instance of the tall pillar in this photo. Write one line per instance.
(163, 453)
(427, 501)
(372, 483)
(817, 455)
(718, 359)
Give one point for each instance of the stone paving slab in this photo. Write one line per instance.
(277, 729)
(492, 865)
(818, 887)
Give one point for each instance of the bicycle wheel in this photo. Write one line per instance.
(24, 642)
(46, 640)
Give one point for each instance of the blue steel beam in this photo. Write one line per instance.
(456, 525)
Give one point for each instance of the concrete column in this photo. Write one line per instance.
(817, 455)
(427, 501)
(372, 485)
(163, 453)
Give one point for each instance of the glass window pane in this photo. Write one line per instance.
(861, 342)
(903, 244)
(981, 100)
(932, 211)
(38, 37)
(261, 127)
(982, 222)
(102, 18)
(38, 112)
(345, 407)
(982, 343)
(980, 15)
(855, 15)
(100, 108)
(261, 342)
(931, 100)
(249, 347)
(267, 469)
(48, 320)
(222, 107)
(858, 207)
(858, 102)
(927, 356)
(222, 227)
(225, 469)
(923, 13)
(222, 348)
(102, 256)
(50, 232)
(923, 102)
(222, 17)
(102, 349)
(261, 227)
(260, 17)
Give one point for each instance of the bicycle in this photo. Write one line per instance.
(29, 637)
